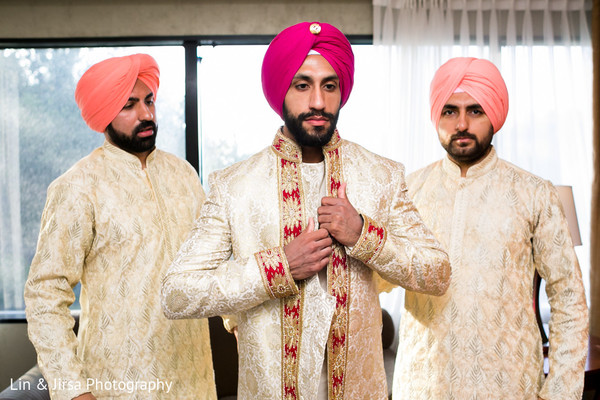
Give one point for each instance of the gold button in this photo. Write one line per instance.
(315, 29)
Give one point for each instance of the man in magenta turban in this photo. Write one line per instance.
(113, 222)
(499, 224)
(295, 243)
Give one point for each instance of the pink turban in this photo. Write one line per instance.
(479, 78)
(105, 87)
(289, 49)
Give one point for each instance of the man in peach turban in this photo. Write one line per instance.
(112, 223)
(500, 225)
(295, 243)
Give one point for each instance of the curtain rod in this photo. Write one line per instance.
(472, 5)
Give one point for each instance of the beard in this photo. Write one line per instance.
(468, 155)
(320, 136)
(133, 143)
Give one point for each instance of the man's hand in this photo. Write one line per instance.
(309, 252)
(340, 218)
(85, 396)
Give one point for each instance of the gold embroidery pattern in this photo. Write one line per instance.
(292, 215)
(339, 287)
(286, 149)
(371, 241)
(275, 273)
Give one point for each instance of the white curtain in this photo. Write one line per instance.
(12, 275)
(542, 48)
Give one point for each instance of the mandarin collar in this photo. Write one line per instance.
(117, 154)
(481, 168)
(289, 150)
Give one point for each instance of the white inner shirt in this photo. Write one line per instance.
(313, 182)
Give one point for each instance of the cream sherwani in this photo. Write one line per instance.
(234, 263)
(480, 340)
(116, 227)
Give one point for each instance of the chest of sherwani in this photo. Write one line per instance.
(234, 264)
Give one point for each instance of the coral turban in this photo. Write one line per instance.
(479, 78)
(289, 49)
(105, 87)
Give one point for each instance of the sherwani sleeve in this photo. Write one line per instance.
(204, 280)
(66, 235)
(402, 250)
(556, 262)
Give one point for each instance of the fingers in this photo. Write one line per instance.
(342, 191)
(311, 225)
(330, 201)
(325, 240)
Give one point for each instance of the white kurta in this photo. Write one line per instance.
(115, 227)
(480, 340)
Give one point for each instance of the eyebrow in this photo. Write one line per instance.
(303, 77)
(148, 96)
(475, 106)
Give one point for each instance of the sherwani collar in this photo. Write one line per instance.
(475, 171)
(289, 150)
(117, 154)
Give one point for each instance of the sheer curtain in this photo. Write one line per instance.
(12, 276)
(542, 48)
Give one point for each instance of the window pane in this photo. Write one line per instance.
(236, 120)
(42, 135)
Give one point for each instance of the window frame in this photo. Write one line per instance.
(190, 45)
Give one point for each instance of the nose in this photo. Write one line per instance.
(146, 112)
(462, 124)
(317, 102)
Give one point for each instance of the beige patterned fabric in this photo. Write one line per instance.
(115, 227)
(481, 340)
(216, 271)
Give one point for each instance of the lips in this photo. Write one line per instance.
(464, 138)
(145, 129)
(146, 133)
(317, 121)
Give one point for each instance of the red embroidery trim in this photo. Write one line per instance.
(338, 275)
(339, 287)
(291, 314)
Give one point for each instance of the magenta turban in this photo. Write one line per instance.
(105, 87)
(480, 79)
(289, 49)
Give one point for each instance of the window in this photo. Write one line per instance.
(43, 135)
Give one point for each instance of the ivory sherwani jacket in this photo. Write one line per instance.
(234, 263)
(116, 227)
(480, 340)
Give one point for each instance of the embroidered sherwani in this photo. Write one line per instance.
(480, 340)
(234, 263)
(115, 227)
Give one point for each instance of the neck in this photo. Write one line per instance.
(465, 165)
(310, 154)
(142, 157)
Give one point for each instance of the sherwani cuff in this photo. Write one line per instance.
(371, 241)
(275, 272)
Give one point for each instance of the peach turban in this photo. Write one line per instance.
(105, 87)
(289, 49)
(479, 78)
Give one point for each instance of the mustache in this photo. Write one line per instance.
(310, 114)
(143, 126)
(461, 135)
